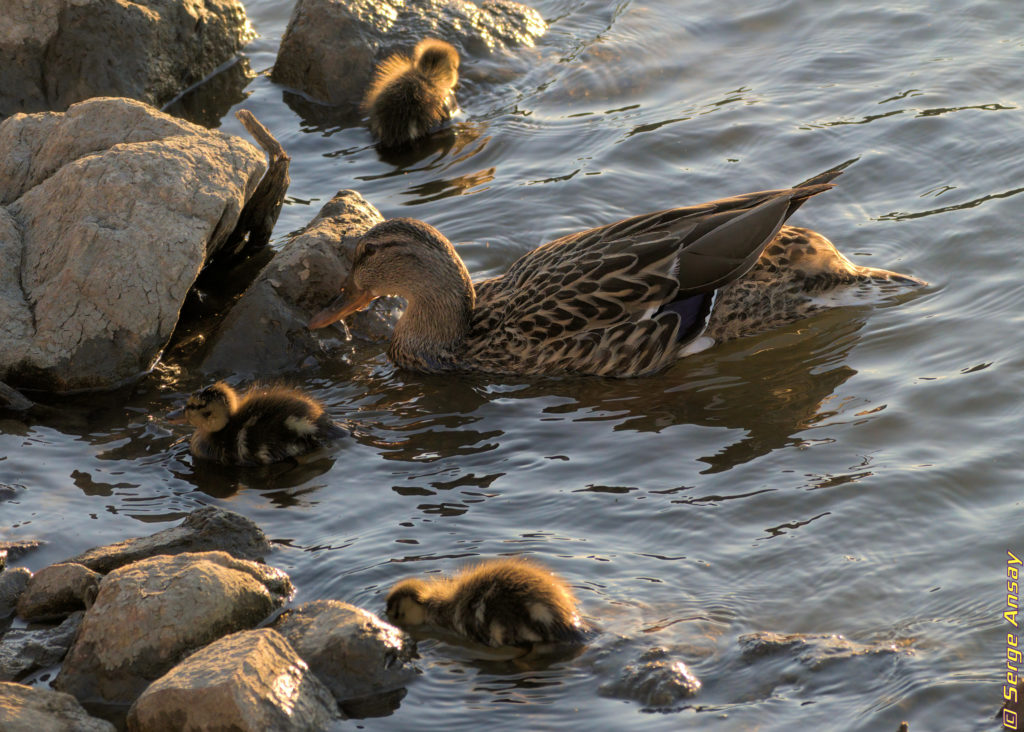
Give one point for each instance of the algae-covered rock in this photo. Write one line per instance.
(107, 214)
(266, 330)
(355, 653)
(58, 52)
(57, 591)
(331, 46)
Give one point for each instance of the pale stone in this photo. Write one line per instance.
(151, 614)
(27, 709)
(251, 680)
(206, 529)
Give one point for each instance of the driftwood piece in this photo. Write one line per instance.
(257, 219)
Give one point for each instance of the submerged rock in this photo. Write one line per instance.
(12, 583)
(24, 651)
(107, 214)
(251, 680)
(815, 651)
(27, 709)
(58, 52)
(355, 653)
(266, 330)
(57, 591)
(18, 549)
(331, 46)
(206, 529)
(150, 614)
(656, 679)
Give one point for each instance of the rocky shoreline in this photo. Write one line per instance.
(189, 629)
(183, 629)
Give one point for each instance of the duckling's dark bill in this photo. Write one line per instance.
(348, 302)
(176, 417)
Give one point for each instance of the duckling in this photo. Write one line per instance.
(265, 425)
(500, 602)
(624, 299)
(409, 97)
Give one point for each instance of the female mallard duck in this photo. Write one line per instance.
(501, 602)
(620, 300)
(263, 426)
(409, 97)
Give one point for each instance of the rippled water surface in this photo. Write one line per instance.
(856, 473)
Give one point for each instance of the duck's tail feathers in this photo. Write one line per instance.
(814, 184)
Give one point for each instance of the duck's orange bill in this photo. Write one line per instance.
(346, 303)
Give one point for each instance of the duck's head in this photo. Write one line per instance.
(208, 409)
(406, 603)
(438, 60)
(403, 257)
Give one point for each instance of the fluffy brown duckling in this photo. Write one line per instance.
(265, 425)
(500, 602)
(410, 97)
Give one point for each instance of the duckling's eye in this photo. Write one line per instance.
(369, 250)
(207, 412)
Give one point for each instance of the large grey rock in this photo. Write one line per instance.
(331, 46)
(251, 680)
(266, 330)
(111, 210)
(58, 52)
(151, 614)
(57, 591)
(657, 680)
(24, 651)
(12, 583)
(27, 709)
(206, 529)
(355, 653)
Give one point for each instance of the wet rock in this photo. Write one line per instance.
(815, 651)
(58, 52)
(12, 583)
(266, 330)
(24, 651)
(107, 214)
(206, 529)
(330, 47)
(251, 680)
(656, 679)
(18, 549)
(57, 591)
(27, 709)
(355, 653)
(13, 399)
(151, 614)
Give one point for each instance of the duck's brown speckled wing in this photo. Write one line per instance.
(625, 298)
